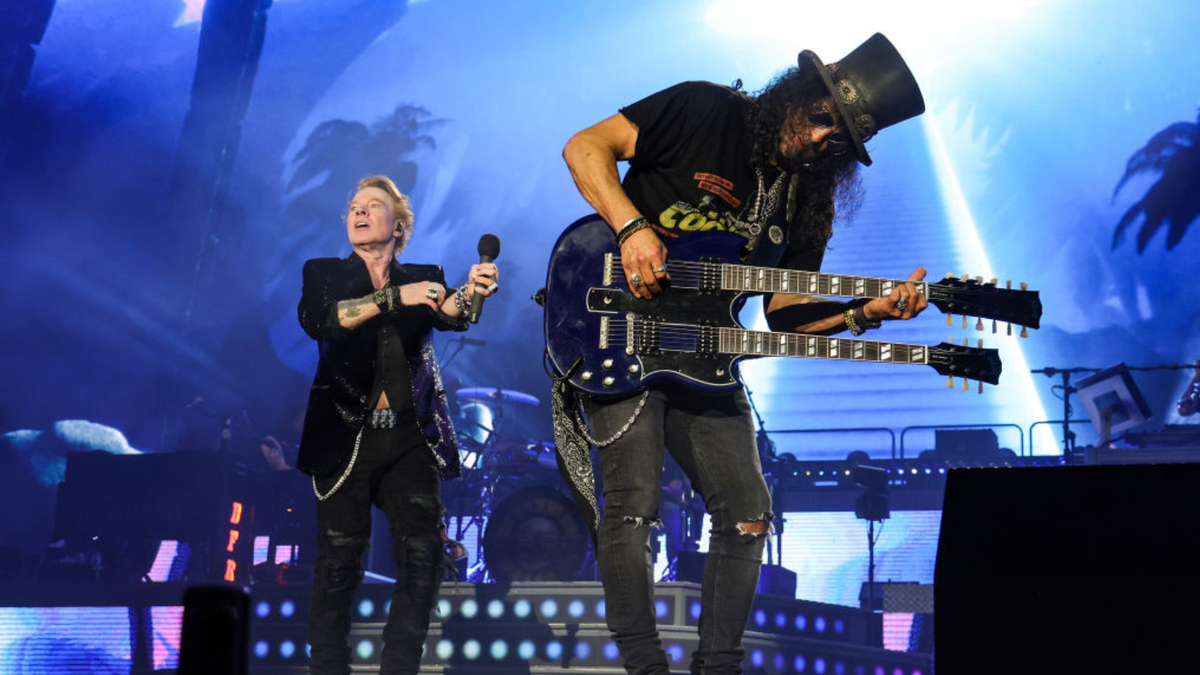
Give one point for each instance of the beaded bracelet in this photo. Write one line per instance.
(460, 299)
(634, 225)
(385, 298)
(848, 315)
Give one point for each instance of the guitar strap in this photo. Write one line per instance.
(767, 247)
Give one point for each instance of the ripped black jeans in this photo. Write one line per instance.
(712, 438)
(396, 472)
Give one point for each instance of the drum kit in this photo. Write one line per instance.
(527, 527)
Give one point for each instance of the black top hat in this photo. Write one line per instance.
(872, 87)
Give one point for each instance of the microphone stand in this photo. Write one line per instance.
(768, 458)
(1068, 435)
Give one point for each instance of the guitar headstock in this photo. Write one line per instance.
(973, 297)
(969, 363)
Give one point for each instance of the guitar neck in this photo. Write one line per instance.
(772, 280)
(761, 343)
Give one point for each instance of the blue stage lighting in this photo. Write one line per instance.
(499, 650)
(261, 649)
(819, 624)
(521, 608)
(553, 650)
(756, 657)
(365, 608)
(582, 650)
(495, 609)
(287, 648)
(469, 608)
(778, 661)
(576, 608)
(262, 609)
(780, 619)
(799, 664)
(801, 622)
(526, 649)
(287, 608)
(819, 666)
(600, 609)
(760, 618)
(610, 651)
(694, 610)
(839, 626)
(675, 653)
(660, 608)
(549, 608)
(365, 649)
(443, 609)
(839, 668)
(444, 650)
(471, 649)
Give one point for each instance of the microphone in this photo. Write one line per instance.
(489, 250)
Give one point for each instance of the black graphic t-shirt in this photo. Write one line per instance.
(691, 169)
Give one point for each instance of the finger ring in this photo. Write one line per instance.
(431, 292)
(660, 269)
(902, 304)
(493, 287)
(635, 279)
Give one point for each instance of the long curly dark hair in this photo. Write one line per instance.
(828, 185)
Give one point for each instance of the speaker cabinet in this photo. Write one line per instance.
(1084, 569)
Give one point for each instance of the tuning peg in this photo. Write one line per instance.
(949, 319)
(979, 324)
(964, 342)
(949, 275)
(950, 382)
(979, 343)
(1008, 329)
(966, 384)
(979, 280)
(994, 281)
(1024, 333)
(981, 386)
(1024, 286)
(965, 277)
(964, 320)
(993, 326)
(1008, 284)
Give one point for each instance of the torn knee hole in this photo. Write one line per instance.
(753, 528)
(653, 522)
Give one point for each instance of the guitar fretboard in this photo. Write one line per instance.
(772, 280)
(761, 343)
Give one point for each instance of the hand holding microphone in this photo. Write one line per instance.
(484, 275)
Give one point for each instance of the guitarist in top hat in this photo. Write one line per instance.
(771, 167)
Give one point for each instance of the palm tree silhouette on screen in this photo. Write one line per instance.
(1174, 199)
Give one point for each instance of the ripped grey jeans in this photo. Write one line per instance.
(396, 472)
(712, 438)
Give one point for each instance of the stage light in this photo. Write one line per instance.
(499, 650)
(695, 611)
(839, 626)
(760, 618)
(287, 648)
(261, 649)
(576, 608)
(471, 649)
(799, 664)
(526, 650)
(469, 608)
(756, 658)
(879, 670)
(496, 609)
(364, 649)
(553, 650)
(521, 608)
(801, 622)
(819, 624)
(600, 607)
(839, 668)
(780, 619)
(549, 608)
(287, 608)
(443, 609)
(582, 650)
(365, 608)
(444, 650)
(675, 652)
(778, 661)
(262, 609)
(819, 666)
(661, 608)
(611, 652)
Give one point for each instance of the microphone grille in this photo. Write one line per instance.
(489, 245)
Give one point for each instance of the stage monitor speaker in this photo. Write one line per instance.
(1085, 569)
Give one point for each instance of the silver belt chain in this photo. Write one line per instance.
(345, 474)
(620, 432)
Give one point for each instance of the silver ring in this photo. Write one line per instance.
(635, 279)
(660, 269)
(431, 292)
(493, 287)
(902, 304)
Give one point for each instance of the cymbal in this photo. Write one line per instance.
(496, 395)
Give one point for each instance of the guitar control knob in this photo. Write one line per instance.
(607, 364)
(634, 369)
(586, 376)
(609, 381)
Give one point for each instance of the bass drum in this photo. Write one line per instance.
(535, 534)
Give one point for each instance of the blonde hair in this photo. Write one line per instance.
(401, 205)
